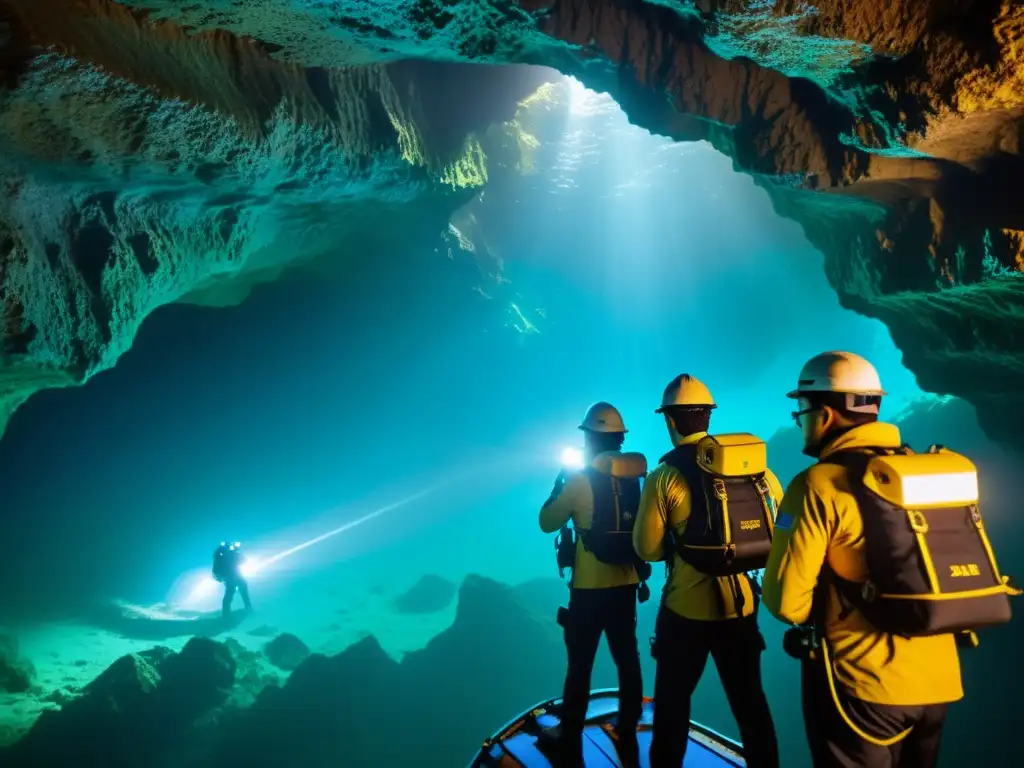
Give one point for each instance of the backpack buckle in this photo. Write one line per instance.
(719, 486)
(868, 592)
(918, 523)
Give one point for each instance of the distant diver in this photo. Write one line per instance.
(881, 561)
(227, 569)
(707, 510)
(607, 578)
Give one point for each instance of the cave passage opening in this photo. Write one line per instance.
(609, 261)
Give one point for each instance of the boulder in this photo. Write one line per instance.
(16, 672)
(428, 595)
(286, 651)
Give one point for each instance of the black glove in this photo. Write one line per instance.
(797, 643)
(556, 491)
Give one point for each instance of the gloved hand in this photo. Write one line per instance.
(797, 643)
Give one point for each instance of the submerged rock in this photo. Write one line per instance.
(286, 651)
(428, 595)
(497, 657)
(251, 674)
(16, 672)
(264, 630)
(139, 711)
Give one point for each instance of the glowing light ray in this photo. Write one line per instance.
(348, 526)
(200, 588)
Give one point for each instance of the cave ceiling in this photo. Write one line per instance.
(160, 151)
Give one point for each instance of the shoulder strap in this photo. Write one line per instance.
(602, 491)
(684, 460)
(856, 461)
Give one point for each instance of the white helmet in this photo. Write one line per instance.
(843, 373)
(603, 417)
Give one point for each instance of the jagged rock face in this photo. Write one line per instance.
(286, 651)
(890, 129)
(141, 707)
(157, 166)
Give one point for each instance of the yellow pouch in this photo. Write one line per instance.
(732, 455)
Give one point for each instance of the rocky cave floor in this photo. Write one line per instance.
(364, 662)
(46, 666)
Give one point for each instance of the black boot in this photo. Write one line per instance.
(563, 751)
(627, 745)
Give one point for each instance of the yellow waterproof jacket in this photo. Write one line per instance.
(576, 502)
(665, 506)
(819, 523)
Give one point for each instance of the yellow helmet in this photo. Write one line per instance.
(603, 417)
(684, 391)
(842, 372)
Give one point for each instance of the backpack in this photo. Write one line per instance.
(616, 494)
(732, 514)
(931, 568)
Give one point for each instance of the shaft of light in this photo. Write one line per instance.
(347, 526)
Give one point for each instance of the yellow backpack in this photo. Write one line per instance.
(931, 566)
(732, 516)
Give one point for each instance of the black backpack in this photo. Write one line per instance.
(732, 515)
(931, 567)
(616, 503)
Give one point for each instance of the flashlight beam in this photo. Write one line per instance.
(348, 526)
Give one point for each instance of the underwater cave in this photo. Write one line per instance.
(339, 281)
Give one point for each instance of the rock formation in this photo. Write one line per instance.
(196, 707)
(144, 705)
(181, 152)
(286, 651)
(16, 672)
(152, 165)
(428, 595)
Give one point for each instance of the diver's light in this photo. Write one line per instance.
(197, 588)
(572, 458)
(954, 489)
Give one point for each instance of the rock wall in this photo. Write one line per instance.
(142, 165)
(890, 129)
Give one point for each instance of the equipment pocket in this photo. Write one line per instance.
(737, 535)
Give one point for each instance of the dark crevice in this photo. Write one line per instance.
(142, 249)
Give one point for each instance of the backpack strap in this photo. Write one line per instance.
(683, 459)
(850, 593)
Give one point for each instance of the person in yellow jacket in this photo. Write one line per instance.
(862, 689)
(700, 615)
(603, 595)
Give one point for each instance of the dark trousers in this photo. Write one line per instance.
(682, 647)
(230, 587)
(610, 611)
(834, 744)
